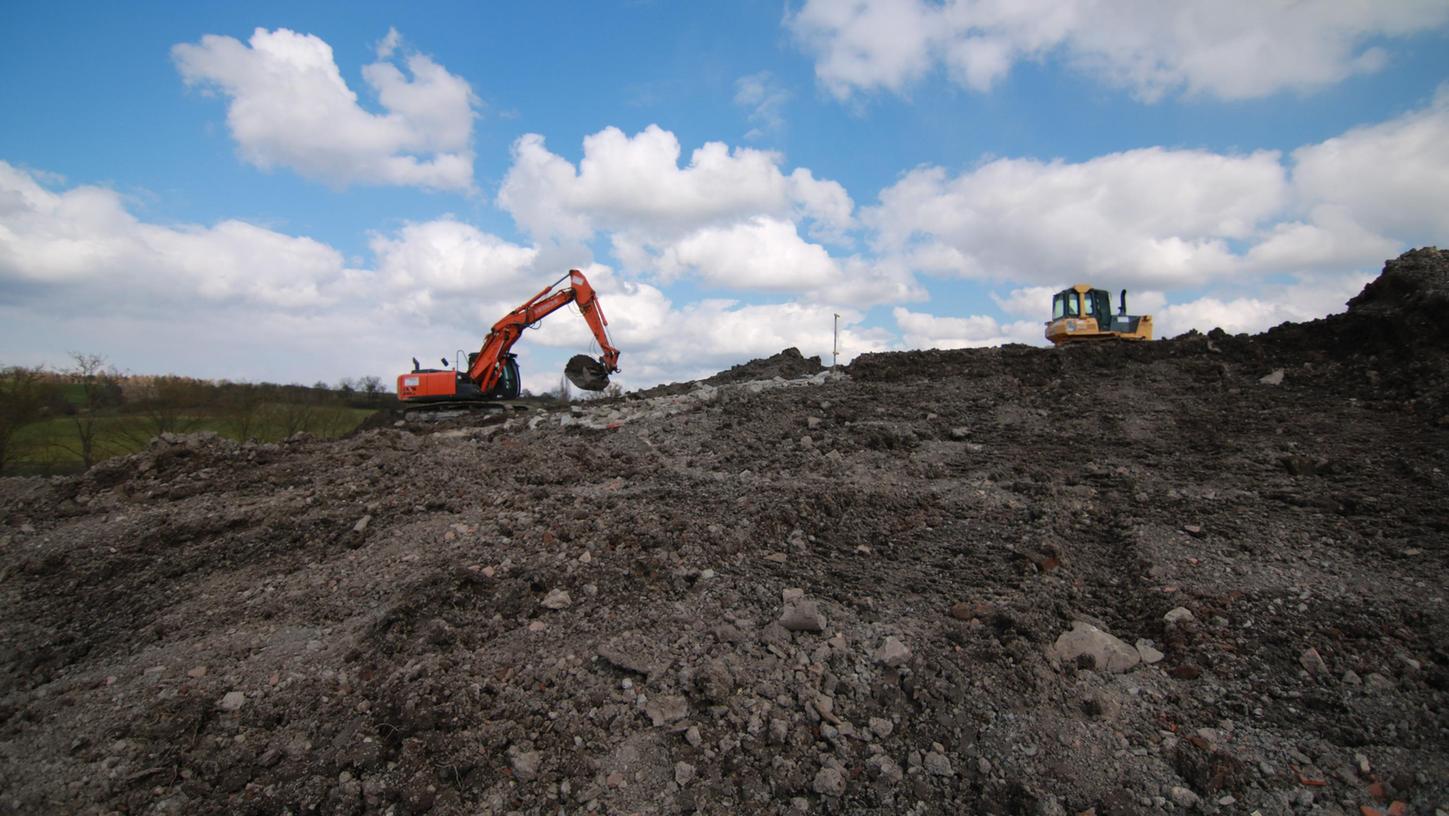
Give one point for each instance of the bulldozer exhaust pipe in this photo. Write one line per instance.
(1122, 310)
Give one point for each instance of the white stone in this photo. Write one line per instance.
(1108, 653)
(1178, 615)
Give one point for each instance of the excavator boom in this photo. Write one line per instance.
(492, 372)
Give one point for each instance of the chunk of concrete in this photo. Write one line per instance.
(1107, 652)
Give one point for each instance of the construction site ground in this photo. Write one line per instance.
(1203, 575)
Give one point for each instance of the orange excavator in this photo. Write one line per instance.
(493, 370)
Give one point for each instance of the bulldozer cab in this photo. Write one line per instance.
(1075, 302)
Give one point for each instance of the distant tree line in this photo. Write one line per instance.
(72, 418)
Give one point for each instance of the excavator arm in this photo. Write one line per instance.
(487, 366)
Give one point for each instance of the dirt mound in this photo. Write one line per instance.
(788, 364)
(1200, 575)
(1416, 280)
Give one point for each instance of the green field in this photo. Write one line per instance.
(50, 446)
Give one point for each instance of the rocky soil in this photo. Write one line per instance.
(1204, 575)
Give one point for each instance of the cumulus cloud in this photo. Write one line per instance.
(1151, 216)
(1235, 49)
(1390, 177)
(1168, 219)
(635, 183)
(288, 106)
(923, 330)
(1029, 301)
(446, 266)
(751, 255)
(85, 237)
(1310, 297)
(731, 218)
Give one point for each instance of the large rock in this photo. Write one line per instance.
(893, 652)
(525, 765)
(829, 782)
(803, 616)
(666, 708)
(1107, 653)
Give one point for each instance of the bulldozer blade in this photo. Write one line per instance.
(587, 373)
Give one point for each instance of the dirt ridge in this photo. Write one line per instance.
(846, 597)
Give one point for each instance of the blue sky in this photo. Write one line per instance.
(309, 192)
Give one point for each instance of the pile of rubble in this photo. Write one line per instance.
(1204, 575)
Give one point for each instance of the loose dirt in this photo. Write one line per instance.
(840, 597)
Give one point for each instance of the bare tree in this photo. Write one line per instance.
(371, 386)
(167, 404)
(242, 405)
(565, 389)
(100, 390)
(24, 393)
(297, 414)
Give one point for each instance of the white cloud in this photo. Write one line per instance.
(1391, 178)
(1310, 298)
(764, 102)
(635, 183)
(1167, 219)
(1151, 216)
(289, 107)
(1233, 49)
(922, 330)
(867, 45)
(731, 217)
(1030, 301)
(451, 260)
(85, 237)
(751, 255)
(825, 203)
(388, 45)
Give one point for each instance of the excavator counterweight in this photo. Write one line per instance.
(492, 372)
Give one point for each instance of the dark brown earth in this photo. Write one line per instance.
(562, 619)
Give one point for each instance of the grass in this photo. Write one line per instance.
(51, 445)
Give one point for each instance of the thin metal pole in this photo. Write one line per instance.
(835, 350)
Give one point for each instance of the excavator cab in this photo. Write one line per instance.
(1083, 313)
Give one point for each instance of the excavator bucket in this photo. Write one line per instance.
(587, 373)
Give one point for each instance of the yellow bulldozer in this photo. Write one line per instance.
(1081, 314)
